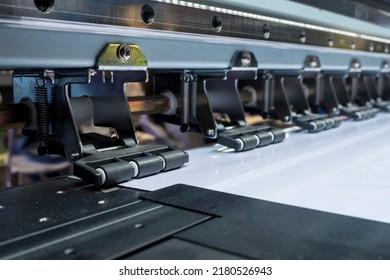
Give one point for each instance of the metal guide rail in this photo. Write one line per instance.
(261, 21)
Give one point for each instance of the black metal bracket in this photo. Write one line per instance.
(264, 96)
(94, 97)
(225, 99)
(209, 101)
(193, 111)
(303, 117)
(304, 92)
(375, 85)
(347, 106)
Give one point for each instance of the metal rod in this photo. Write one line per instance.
(149, 104)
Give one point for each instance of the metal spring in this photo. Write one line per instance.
(43, 124)
(58, 101)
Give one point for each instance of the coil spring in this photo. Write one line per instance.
(58, 101)
(43, 124)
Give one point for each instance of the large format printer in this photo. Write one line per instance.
(292, 99)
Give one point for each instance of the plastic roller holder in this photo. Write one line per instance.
(347, 105)
(315, 123)
(247, 138)
(358, 113)
(376, 95)
(121, 165)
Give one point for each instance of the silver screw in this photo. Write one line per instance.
(124, 53)
(286, 118)
(101, 202)
(266, 31)
(1, 207)
(313, 62)
(330, 42)
(139, 225)
(356, 64)
(60, 192)
(302, 37)
(246, 59)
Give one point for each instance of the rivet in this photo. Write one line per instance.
(69, 251)
(43, 219)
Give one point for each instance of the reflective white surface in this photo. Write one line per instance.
(345, 170)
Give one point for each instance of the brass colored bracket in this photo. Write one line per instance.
(122, 57)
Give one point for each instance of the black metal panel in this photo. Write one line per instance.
(114, 234)
(61, 219)
(266, 230)
(176, 249)
(33, 208)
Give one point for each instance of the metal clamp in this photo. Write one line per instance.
(65, 97)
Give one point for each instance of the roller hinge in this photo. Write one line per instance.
(317, 123)
(247, 138)
(123, 164)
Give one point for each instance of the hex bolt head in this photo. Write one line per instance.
(124, 53)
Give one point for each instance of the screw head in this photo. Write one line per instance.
(356, 64)
(330, 42)
(313, 62)
(266, 31)
(246, 59)
(124, 53)
(302, 37)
